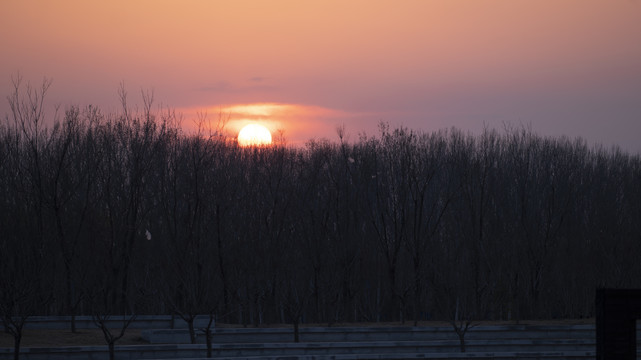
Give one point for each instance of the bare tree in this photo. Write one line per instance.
(22, 283)
(190, 286)
(71, 164)
(431, 191)
(128, 146)
(388, 203)
(23, 291)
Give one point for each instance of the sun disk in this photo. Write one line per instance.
(254, 135)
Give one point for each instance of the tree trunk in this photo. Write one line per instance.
(112, 351)
(209, 334)
(417, 290)
(394, 303)
(192, 332)
(221, 265)
(296, 330)
(17, 337)
(317, 296)
(208, 337)
(461, 339)
(70, 299)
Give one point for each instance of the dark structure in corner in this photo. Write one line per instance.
(617, 311)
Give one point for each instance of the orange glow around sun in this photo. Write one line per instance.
(254, 135)
(288, 124)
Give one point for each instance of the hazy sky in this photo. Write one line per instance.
(562, 67)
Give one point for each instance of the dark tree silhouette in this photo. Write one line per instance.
(129, 213)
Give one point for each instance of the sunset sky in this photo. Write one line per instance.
(563, 67)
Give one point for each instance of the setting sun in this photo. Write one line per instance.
(254, 135)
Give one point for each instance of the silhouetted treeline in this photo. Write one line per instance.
(126, 214)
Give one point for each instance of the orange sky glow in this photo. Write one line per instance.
(296, 123)
(568, 67)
